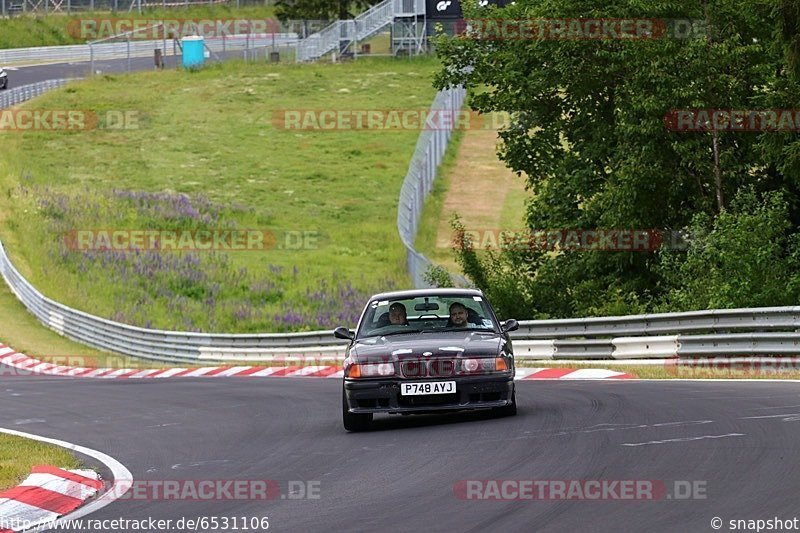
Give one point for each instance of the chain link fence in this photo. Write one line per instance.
(418, 183)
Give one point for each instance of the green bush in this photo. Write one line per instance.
(746, 257)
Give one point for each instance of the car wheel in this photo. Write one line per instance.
(5, 85)
(354, 421)
(510, 409)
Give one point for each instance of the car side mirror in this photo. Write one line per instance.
(510, 325)
(343, 333)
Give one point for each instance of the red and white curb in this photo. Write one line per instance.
(117, 469)
(45, 495)
(28, 365)
(570, 373)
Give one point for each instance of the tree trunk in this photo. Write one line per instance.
(717, 170)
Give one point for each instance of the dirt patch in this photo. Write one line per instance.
(479, 186)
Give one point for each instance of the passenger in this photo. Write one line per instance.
(397, 314)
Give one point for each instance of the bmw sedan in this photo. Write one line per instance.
(423, 351)
(3, 79)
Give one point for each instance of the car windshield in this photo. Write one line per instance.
(425, 314)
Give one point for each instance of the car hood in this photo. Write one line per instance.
(417, 345)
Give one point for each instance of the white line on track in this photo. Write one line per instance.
(684, 439)
(789, 417)
(118, 470)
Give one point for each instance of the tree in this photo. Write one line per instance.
(745, 257)
(321, 9)
(591, 137)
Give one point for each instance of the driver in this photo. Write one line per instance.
(459, 316)
(397, 314)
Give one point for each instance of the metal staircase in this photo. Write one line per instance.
(342, 34)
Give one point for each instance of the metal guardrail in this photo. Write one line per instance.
(713, 321)
(134, 48)
(418, 182)
(17, 95)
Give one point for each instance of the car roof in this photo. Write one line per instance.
(416, 293)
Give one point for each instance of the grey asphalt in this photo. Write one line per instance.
(401, 475)
(35, 73)
(32, 74)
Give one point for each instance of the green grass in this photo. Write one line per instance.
(18, 455)
(432, 212)
(209, 135)
(513, 212)
(54, 29)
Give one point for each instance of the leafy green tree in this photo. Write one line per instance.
(789, 11)
(438, 276)
(745, 257)
(321, 9)
(592, 142)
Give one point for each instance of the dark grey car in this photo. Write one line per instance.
(437, 350)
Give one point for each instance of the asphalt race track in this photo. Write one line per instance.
(740, 440)
(31, 74)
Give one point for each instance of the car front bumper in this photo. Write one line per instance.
(473, 392)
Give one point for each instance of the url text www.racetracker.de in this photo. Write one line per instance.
(199, 523)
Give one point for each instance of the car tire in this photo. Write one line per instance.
(510, 409)
(354, 421)
(5, 86)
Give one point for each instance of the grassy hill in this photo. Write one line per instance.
(206, 155)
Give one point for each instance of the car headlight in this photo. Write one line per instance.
(483, 365)
(368, 370)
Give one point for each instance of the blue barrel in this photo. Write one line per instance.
(193, 49)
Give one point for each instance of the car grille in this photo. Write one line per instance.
(441, 368)
(414, 369)
(435, 368)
